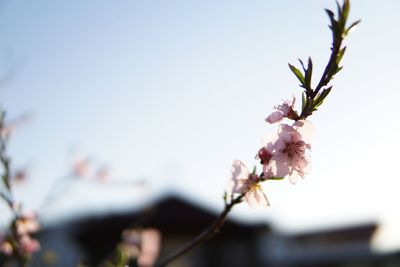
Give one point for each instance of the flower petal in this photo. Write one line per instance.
(237, 186)
(256, 197)
(275, 117)
(305, 129)
(278, 166)
(294, 176)
(239, 170)
(239, 179)
(285, 133)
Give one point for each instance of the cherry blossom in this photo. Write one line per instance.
(285, 110)
(289, 151)
(82, 167)
(142, 244)
(242, 182)
(27, 224)
(5, 246)
(28, 245)
(150, 247)
(131, 240)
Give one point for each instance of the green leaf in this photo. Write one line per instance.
(340, 55)
(303, 100)
(326, 92)
(308, 73)
(298, 73)
(338, 69)
(339, 10)
(320, 98)
(351, 27)
(330, 14)
(345, 10)
(334, 24)
(302, 65)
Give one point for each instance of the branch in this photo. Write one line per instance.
(208, 233)
(314, 98)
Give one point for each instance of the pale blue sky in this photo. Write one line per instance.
(174, 91)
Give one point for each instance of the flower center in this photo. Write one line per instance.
(294, 150)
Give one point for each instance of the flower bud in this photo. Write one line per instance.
(264, 155)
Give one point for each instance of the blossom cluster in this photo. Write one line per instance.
(20, 241)
(284, 154)
(17, 240)
(25, 226)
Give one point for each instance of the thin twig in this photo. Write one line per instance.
(208, 233)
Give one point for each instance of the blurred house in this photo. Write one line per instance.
(341, 247)
(93, 239)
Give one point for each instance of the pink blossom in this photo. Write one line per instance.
(131, 237)
(283, 111)
(265, 153)
(20, 175)
(81, 167)
(142, 244)
(131, 240)
(289, 154)
(27, 224)
(28, 245)
(5, 246)
(242, 182)
(103, 174)
(150, 247)
(7, 129)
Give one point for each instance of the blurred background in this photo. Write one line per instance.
(139, 104)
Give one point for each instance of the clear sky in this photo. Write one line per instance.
(174, 91)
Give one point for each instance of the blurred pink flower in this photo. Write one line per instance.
(28, 245)
(27, 224)
(6, 131)
(10, 127)
(289, 154)
(283, 111)
(81, 167)
(131, 237)
(242, 182)
(131, 240)
(20, 175)
(150, 247)
(5, 246)
(142, 244)
(103, 174)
